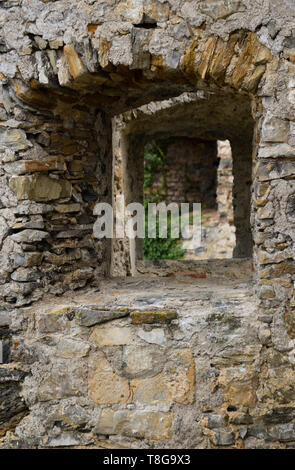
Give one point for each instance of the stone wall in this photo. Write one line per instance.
(193, 174)
(190, 173)
(51, 180)
(65, 72)
(121, 373)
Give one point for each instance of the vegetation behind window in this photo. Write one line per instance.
(155, 166)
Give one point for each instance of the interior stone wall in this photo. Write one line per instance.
(52, 176)
(97, 60)
(190, 172)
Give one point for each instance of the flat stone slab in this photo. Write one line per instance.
(92, 315)
(152, 316)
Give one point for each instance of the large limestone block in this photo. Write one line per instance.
(69, 347)
(180, 373)
(138, 424)
(152, 391)
(105, 386)
(142, 361)
(176, 384)
(40, 188)
(239, 387)
(65, 379)
(54, 321)
(144, 424)
(112, 336)
(13, 139)
(105, 424)
(275, 130)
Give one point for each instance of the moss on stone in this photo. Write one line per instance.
(153, 316)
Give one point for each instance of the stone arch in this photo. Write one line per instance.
(93, 85)
(80, 92)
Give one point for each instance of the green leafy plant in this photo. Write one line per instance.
(155, 164)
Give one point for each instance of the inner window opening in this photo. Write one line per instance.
(188, 170)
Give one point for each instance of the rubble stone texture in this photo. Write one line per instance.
(222, 373)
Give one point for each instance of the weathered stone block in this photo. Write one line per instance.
(175, 384)
(152, 391)
(65, 440)
(67, 208)
(75, 64)
(78, 278)
(275, 130)
(90, 315)
(144, 424)
(224, 437)
(68, 348)
(138, 424)
(272, 171)
(180, 374)
(66, 379)
(14, 139)
(105, 386)
(240, 393)
(25, 275)
(155, 11)
(215, 421)
(155, 336)
(55, 321)
(221, 9)
(30, 236)
(283, 432)
(28, 166)
(130, 10)
(276, 151)
(112, 336)
(40, 188)
(105, 423)
(267, 293)
(142, 361)
(153, 316)
(266, 212)
(278, 270)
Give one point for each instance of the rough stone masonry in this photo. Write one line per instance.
(182, 354)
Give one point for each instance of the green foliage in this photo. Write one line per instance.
(153, 164)
(158, 248)
(162, 248)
